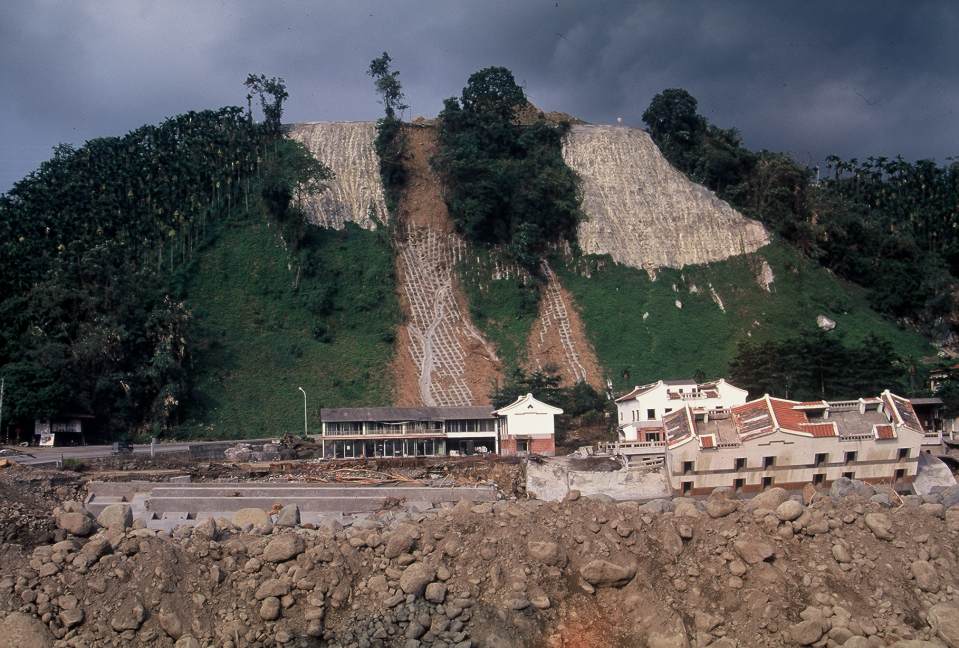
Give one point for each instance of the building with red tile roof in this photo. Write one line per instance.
(778, 442)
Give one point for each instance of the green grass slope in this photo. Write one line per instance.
(271, 323)
(636, 326)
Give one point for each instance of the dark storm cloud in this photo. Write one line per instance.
(811, 78)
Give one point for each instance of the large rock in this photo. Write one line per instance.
(789, 510)
(548, 553)
(116, 516)
(718, 508)
(927, 578)
(76, 523)
(289, 516)
(401, 541)
(20, 630)
(283, 548)
(806, 633)
(277, 587)
(880, 525)
(753, 552)
(841, 488)
(601, 573)
(944, 618)
(771, 499)
(416, 577)
(247, 516)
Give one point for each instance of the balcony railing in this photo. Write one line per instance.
(634, 447)
(390, 432)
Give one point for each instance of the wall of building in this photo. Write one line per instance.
(794, 462)
(545, 447)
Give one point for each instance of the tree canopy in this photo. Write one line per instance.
(506, 183)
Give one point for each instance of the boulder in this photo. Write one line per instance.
(771, 499)
(927, 578)
(841, 488)
(116, 516)
(601, 573)
(289, 516)
(721, 507)
(416, 577)
(548, 553)
(753, 552)
(806, 633)
(248, 516)
(283, 548)
(19, 630)
(277, 588)
(76, 523)
(401, 541)
(944, 619)
(206, 530)
(880, 525)
(789, 510)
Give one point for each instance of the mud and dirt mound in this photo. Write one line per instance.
(847, 568)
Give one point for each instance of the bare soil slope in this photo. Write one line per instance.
(643, 212)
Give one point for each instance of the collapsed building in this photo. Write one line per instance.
(777, 442)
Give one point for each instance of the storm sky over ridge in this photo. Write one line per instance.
(813, 78)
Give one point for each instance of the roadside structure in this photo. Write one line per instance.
(640, 412)
(776, 442)
(527, 425)
(62, 431)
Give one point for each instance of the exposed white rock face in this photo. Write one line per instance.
(347, 148)
(643, 212)
(825, 323)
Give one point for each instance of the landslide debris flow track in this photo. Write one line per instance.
(454, 363)
(554, 321)
(437, 324)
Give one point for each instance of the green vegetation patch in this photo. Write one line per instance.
(503, 308)
(271, 324)
(640, 334)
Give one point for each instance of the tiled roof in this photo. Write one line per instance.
(907, 415)
(753, 419)
(819, 429)
(787, 415)
(679, 426)
(706, 441)
(812, 404)
(637, 391)
(885, 432)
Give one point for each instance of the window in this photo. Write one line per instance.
(850, 457)
(818, 479)
(849, 475)
(650, 414)
(903, 453)
(522, 445)
(652, 436)
(821, 460)
(739, 485)
(767, 482)
(687, 487)
(768, 462)
(687, 467)
(741, 463)
(668, 410)
(900, 474)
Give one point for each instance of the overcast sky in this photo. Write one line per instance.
(812, 78)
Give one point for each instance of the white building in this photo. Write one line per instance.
(775, 442)
(640, 412)
(527, 425)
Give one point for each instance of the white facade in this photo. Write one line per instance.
(775, 442)
(640, 412)
(527, 425)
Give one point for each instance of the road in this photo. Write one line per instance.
(35, 456)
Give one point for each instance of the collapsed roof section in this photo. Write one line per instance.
(879, 418)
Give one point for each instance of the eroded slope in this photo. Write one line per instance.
(643, 212)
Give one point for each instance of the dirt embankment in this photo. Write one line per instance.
(579, 572)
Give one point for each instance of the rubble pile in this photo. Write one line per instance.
(848, 566)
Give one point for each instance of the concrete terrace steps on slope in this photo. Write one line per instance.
(229, 498)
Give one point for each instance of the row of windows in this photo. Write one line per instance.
(650, 414)
(470, 425)
(770, 462)
(740, 484)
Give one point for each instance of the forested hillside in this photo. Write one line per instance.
(169, 282)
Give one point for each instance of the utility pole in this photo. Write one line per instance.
(306, 431)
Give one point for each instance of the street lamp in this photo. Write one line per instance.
(306, 431)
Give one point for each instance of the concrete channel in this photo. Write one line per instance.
(168, 505)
